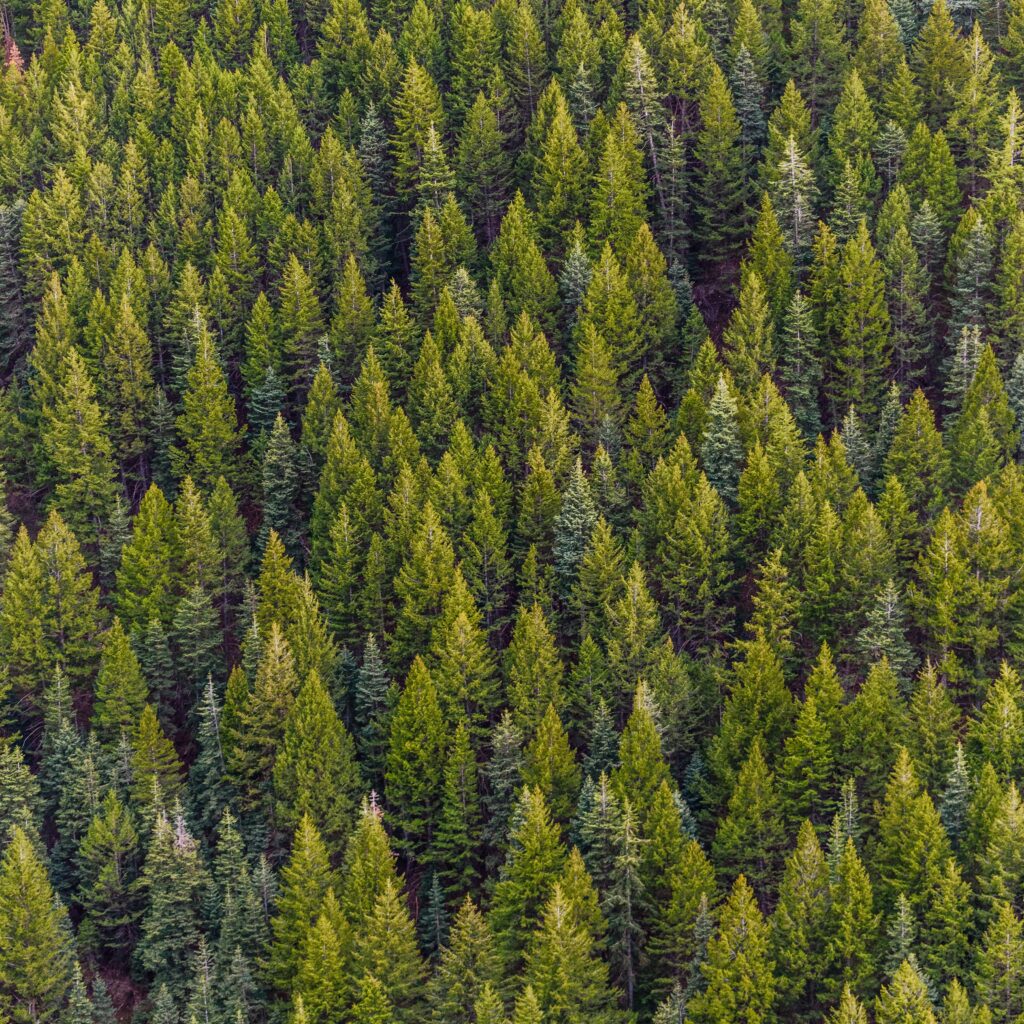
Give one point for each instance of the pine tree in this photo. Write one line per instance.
(793, 197)
(698, 551)
(625, 904)
(906, 293)
(972, 270)
(947, 924)
(801, 365)
(808, 766)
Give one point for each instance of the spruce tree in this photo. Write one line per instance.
(722, 451)
(573, 527)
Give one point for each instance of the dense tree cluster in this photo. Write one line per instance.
(513, 512)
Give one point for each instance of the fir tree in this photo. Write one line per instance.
(414, 763)
(738, 972)
(76, 442)
(534, 861)
(315, 771)
(35, 953)
(306, 879)
(208, 426)
(459, 827)
(109, 860)
(170, 929)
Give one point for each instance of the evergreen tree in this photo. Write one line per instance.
(738, 972)
(459, 826)
(468, 966)
(722, 452)
(315, 771)
(306, 879)
(563, 971)
(77, 445)
(721, 185)
(279, 486)
(749, 838)
(414, 764)
(36, 957)
(109, 864)
(998, 964)
(533, 863)
(208, 426)
(799, 924)
(905, 998)
(385, 949)
(575, 522)
(173, 878)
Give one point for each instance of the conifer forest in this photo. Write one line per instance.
(511, 511)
